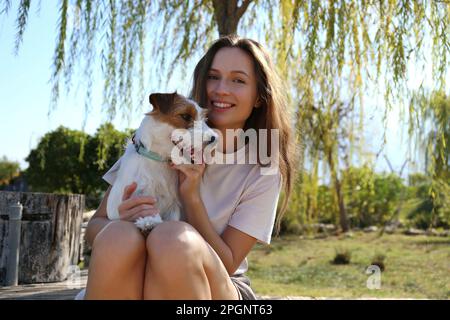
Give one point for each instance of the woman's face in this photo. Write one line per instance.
(231, 88)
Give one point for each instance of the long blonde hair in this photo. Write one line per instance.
(273, 112)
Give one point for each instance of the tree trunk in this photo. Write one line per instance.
(227, 15)
(50, 235)
(343, 220)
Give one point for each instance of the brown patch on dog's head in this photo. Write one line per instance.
(175, 110)
(162, 101)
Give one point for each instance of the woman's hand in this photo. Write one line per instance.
(189, 178)
(132, 208)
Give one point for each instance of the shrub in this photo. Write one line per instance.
(379, 260)
(71, 161)
(342, 256)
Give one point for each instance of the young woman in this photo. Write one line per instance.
(228, 207)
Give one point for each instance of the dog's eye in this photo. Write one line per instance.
(186, 117)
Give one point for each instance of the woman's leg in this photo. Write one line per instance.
(117, 265)
(182, 265)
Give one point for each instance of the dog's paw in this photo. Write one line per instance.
(146, 224)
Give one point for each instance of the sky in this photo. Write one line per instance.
(25, 90)
(25, 95)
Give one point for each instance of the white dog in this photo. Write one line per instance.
(165, 131)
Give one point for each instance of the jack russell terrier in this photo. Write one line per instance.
(171, 124)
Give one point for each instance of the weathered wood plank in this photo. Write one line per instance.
(64, 290)
(50, 235)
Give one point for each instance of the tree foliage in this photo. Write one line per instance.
(56, 164)
(335, 45)
(8, 170)
(431, 202)
(371, 198)
(433, 141)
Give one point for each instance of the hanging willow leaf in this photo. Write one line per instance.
(22, 17)
(59, 55)
(357, 34)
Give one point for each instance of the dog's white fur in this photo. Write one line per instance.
(154, 178)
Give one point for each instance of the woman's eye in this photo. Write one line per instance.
(239, 81)
(186, 117)
(212, 77)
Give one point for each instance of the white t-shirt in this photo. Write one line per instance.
(237, 195)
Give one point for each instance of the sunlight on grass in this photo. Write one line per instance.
(416, 267)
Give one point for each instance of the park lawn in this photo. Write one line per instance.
(416, 267)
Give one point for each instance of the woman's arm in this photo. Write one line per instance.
(129, 210)
(232, 246)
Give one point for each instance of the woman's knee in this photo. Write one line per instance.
(174, 244)
(119, 238)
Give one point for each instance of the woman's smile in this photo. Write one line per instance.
(219, 106)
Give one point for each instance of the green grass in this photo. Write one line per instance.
(416, 267)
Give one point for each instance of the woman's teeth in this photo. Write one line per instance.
(222, 105)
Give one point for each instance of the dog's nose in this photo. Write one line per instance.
(212, 139)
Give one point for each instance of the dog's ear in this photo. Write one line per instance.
(162, 101)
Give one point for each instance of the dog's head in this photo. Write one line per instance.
(176, 121)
